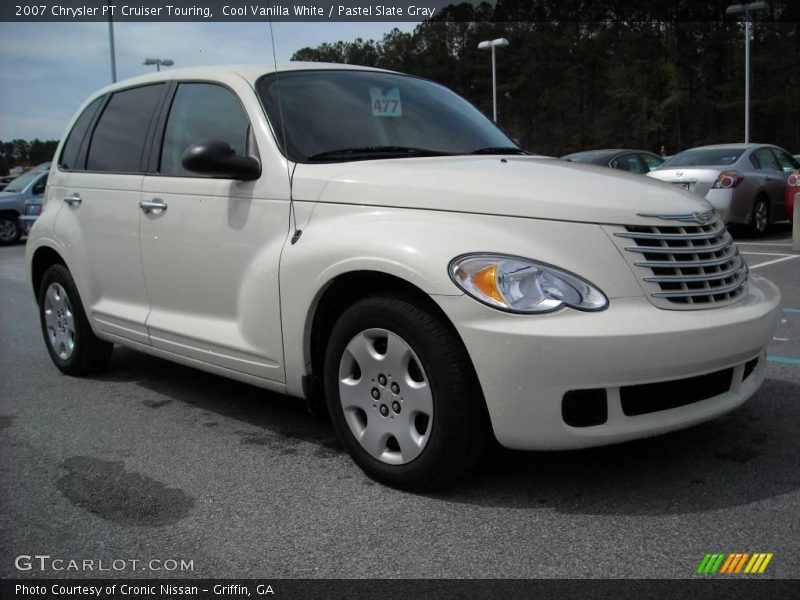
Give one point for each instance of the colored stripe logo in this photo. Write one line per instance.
(734, 563)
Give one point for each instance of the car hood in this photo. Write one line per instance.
(11, 198)
(517, 186)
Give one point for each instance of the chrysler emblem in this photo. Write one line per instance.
(701, 218)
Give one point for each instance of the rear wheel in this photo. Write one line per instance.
(402, 394)
(760, 218)
(72, 345)
(10, 230)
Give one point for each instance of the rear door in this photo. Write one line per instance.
(211, 254)
(100, 184)
(773, 180)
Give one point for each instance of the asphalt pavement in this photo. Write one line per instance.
(157, 462)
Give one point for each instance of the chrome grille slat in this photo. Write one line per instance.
(688, 266)
(680, 249)
(672, 236)
(711, 292)
(712, 277)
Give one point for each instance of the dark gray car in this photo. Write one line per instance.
(24, 189)
(635, 161)
(746, 183)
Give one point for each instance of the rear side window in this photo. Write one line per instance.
(201, 111)
(651, 161)
(627, 162)
(121, 132)
(788, 164)
(69, 155)
(764, 160)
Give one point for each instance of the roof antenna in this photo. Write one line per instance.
(289, 172)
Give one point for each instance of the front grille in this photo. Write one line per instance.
(691, 266)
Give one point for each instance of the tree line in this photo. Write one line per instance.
(24, 153)
(578, 80)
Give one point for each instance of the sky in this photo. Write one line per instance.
(47, 70)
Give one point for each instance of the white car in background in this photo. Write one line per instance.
(746, 183)
(371, 240)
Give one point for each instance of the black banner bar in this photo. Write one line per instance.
(384, 10)
(749, 588)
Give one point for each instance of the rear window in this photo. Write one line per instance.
(704, 157)
(119, 137)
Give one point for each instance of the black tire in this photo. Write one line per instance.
(90, 354)
(758, 226)
(10, 231)
(459, 431)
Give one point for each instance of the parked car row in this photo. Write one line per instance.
(21, 203)
(752, 185)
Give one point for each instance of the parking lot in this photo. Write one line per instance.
(157, 461)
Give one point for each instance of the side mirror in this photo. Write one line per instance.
(217, 159)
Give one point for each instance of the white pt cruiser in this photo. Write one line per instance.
(371, 239)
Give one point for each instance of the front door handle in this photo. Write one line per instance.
(73, 199)
(154, 204)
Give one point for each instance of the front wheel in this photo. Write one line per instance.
(10, 231)
(402, 394)
(72, 345)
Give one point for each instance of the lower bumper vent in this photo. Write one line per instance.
(653, 397)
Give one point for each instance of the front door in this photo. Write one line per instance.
(211, 247)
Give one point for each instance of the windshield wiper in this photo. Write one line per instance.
(499, 150)
(375, 151)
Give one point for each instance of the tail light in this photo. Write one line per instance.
(794, 179)
(728, 180)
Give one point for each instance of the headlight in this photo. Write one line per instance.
(33, 209)
(521, 285)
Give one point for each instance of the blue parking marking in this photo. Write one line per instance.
(784, 360)
(792, 310)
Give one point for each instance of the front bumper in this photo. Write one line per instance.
(527, 363)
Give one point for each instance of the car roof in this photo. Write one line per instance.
(250, 72)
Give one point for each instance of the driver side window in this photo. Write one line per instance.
(201, 111)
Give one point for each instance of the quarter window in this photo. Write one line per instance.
(764, 160)
(786, 162)
(70, 153)
(121, 132)
(201, 111)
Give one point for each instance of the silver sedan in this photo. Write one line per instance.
(744, 182)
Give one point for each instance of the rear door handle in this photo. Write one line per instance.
(73, 199)
(154, 204)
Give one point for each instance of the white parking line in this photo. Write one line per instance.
(777, 260)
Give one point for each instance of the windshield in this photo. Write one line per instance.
(704, 157)
(354, 115)
(21, 182)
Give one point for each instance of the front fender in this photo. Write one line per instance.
(417, 246)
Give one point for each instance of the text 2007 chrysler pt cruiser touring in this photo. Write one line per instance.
(371, 238)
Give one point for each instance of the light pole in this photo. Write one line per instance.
(498, 43)
(111, 47)
(158, 62)
(746, 9)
